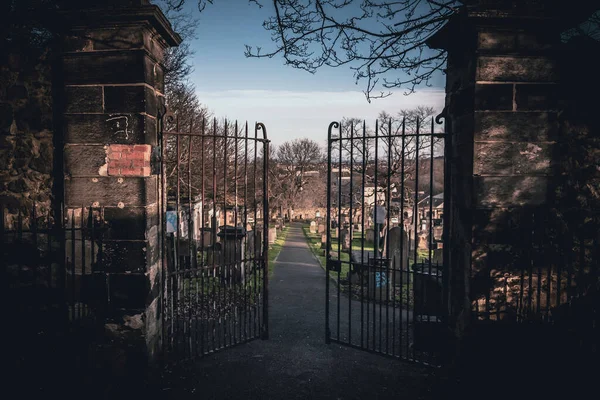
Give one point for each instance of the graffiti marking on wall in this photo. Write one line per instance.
(122, 124)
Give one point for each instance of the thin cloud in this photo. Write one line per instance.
(293, 114)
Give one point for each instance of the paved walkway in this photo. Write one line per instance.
(295, 363)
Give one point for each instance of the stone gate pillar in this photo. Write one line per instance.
(501, 110)
(112, 77)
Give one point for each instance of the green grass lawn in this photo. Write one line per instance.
(314, 242)
(403, 295)
(275, 248)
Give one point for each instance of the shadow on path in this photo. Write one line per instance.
(295, 363)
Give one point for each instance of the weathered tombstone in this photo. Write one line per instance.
(370, 236)
(321, 228)
(231, 239)
(258, 241)
(272, 235)
(313, 227)
(398, 252)
(379, 280)
(345, 239)
(215, 254)
(437, 257)
(323, 240)
(438, 231)
(422, 241)
(250, 236)
(345, 219)
(205, 237)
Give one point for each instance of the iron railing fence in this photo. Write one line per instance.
(548, 281)
(54, 291)
(53, 266)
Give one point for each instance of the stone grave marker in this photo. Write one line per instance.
(272, 235)
(313, 227)
(345, 239)
(321, 228)
(398, 252)
(379, 282)
(370, 237)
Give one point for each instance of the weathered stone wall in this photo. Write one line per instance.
(501, 112)
(113, 84)
(515, 134)
(26, 136)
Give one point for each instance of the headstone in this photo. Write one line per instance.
(437, 257)
(207, 237)
(398, 252)
(345, 239)
(379, 282)
(250, 244)
(370, 237)
(321, 228)
(345, 218)
(272, 235)
(323, 240)
(258, 242)
(437, 232)
(313, 227)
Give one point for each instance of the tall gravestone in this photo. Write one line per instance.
(112, 85)
(396, 249)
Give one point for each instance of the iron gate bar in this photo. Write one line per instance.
(416, 212)
(328, 243)
(430, 220)
(380, 270)
(339, 234)
(207, 293)
(362, 242)
(265, 335)
(376, 241)
(387, 247)
(403, 156)
(350, 197)
(246, 224)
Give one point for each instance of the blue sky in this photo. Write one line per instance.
(291, 103)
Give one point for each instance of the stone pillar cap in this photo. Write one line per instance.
(119, 16)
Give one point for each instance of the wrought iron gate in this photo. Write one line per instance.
(215, 223)
(385, 238)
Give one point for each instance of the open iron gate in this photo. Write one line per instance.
(386, 238)
(215, 223)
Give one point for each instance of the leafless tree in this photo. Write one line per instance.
(384, 41)
(387, 158)
(376, 39)
(292, 185)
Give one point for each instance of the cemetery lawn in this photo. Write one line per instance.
(314, 243)
(275, 248)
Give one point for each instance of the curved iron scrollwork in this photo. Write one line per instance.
(332, 125)
(442, 115)
(259, 126)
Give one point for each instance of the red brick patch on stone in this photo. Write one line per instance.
(129, 160)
